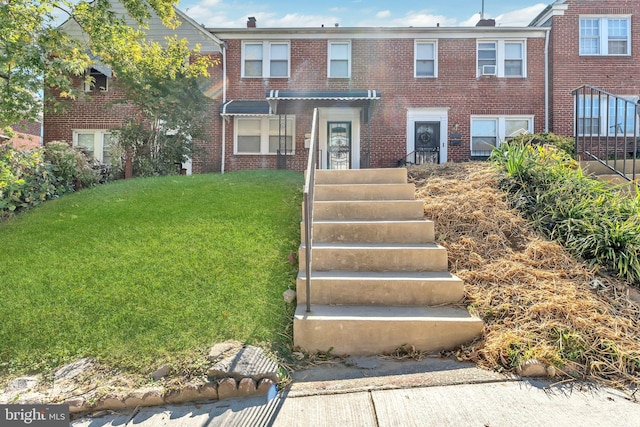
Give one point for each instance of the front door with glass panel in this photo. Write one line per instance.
(427, 142)
(338, 145)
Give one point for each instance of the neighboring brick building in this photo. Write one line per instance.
(391, 94)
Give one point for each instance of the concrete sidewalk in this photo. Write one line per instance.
(391, 393)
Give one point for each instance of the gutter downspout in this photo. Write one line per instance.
(546, 82)
(224, 101)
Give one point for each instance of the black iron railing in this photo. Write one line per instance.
(606, 130)
(420, 157)
(308, 197)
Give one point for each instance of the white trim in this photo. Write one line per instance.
(434, 42)
(266, 58)
(501, 57)
(98, 140)
(429, 114)
(329, 58)
(264, 134)
(500, 120)
(334, 115)
(603, 36)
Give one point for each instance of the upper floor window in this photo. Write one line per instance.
(95, 80)
(265, 59)
(264, 135)
(339, 60)
(605, 36)
(502, 58)
(425, 59)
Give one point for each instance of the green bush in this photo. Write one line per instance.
(26, 180)
(564, 143)
(71, 168)
(591, 220)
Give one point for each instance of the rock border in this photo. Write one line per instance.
(237, 371)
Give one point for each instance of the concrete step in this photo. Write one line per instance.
(375, 257)
(416, 231)
(370, 330)
(364, 192)
(368, 210)
(362, 176)
(613, 179)
(381, 288)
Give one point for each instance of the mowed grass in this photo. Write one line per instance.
(138, 272)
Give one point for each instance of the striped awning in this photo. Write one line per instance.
(245, 108)
(354, 95)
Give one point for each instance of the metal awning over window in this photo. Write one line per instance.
(354, 95)
(245, 108)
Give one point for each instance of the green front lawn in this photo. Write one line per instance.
(140, 272)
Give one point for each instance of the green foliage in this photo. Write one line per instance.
(142, 272)
(36, 53)
(70, 167)
(564, 143)
(25, 180)
(172, 108)
(590, 219)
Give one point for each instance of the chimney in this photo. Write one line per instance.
(486, 23)
(251, 23)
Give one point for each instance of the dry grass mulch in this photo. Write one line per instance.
(537, 301)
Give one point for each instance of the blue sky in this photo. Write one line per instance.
(359, 13)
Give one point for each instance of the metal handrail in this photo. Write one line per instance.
(308, 198)
(598, 146)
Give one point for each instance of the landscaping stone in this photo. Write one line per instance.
(227, 388)
(111, 401)
(223, 349)
(248, 362)
(289, 296)
(209, 391)
(189, 393)
(72, 370)
(247, 387)
(264, 386)
(532, 368)
(23, 384)
(77, 404)
(148, 396)
(161, 372)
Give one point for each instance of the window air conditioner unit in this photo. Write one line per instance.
(488, 70)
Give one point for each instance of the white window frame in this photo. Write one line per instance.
(501, 57)
(603, 37)
(98, 141)
(266, 58)
(330, 45)
(264, 134)
(501, 135)
(605, 118)
(434, 43)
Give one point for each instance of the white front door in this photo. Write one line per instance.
(339, 138)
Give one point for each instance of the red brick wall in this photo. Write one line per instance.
(387, 65)
(617, 75)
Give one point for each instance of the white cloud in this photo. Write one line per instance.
(520, 17)
(383, 14)
(472, 21)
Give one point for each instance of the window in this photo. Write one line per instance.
(425, 59)
(605, 36)
(264, 135)
(619, 118)
(339, 59)
(96, 144)
(94, 80)
(488, 131)
(265, 59)
(502, 58)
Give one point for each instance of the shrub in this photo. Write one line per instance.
(71, 168)
(26, 180)
(591, 220)
(544, 139)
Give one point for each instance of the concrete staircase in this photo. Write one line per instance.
(378, 281)
(602, 173)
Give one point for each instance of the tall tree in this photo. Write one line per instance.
(36, 54)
